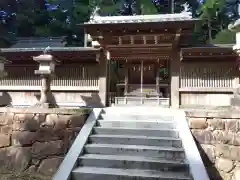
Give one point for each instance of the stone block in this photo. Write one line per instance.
(6, 118)
(49, 122)
(49, 166)
(61, 122)
(67, 140)
(227, 137)
(216, 124)
(228, 152)
(26, 123)
(7, 129)
(4, 140)
(232, 125)
(209, 151)
(237, 174)
(32, 169)
(235, 101)
(222, 149)
(236, 139)
(49, 135)
(224, 165)
(14, 158)
(77, 120)
(43, 149)
(198, 123)
(36, 162)
(23, 117)
(224, 176)
(23, 138)
(39, 118)
(203, 136)
(223, 137)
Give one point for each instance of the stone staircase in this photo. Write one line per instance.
(148, 91)
(125, 145)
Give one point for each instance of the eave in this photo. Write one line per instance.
(113, 29)
(63, 54)
(214, 52)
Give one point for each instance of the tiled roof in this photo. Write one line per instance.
(39, 42)
(185, 16)
(36, 44)
(213, 46)
(53, 49)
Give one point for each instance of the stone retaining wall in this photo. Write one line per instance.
(218, 136)
(33, 142)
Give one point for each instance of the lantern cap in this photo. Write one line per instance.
(45, 58)
(4, 60)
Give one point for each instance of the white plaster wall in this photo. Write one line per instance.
(61, 99)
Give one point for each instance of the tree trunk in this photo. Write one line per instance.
(209, 31)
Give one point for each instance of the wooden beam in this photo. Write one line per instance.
(167, 45)
(130, 59)
(136, 32)
(147, 26)
(205, 90)
(209, 58)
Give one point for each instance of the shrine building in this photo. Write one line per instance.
(132, 60)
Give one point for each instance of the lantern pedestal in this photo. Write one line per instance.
(46, 70)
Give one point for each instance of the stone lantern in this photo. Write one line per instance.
(3, 61)
(235, 27)
(3, 73)
(46, 69)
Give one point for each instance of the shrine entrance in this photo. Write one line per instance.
(142, 82)
(137, 52)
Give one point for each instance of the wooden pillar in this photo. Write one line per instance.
(141, 81)
(126, 71)
(103, 78)
(157, 77)
(174, 77)
(157, 81)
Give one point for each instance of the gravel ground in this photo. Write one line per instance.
(22, 176)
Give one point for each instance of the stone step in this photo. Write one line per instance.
(135, 140)
(168, 153)
(136, 117)
(96, 173)
(140, 131)
(136, 124)
(138, 110)
(132, 162)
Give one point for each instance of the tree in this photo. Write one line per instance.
(45, 18)
(130, 7)
(214, 19)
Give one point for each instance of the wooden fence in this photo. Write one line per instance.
(81, 78)
(204, 83)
